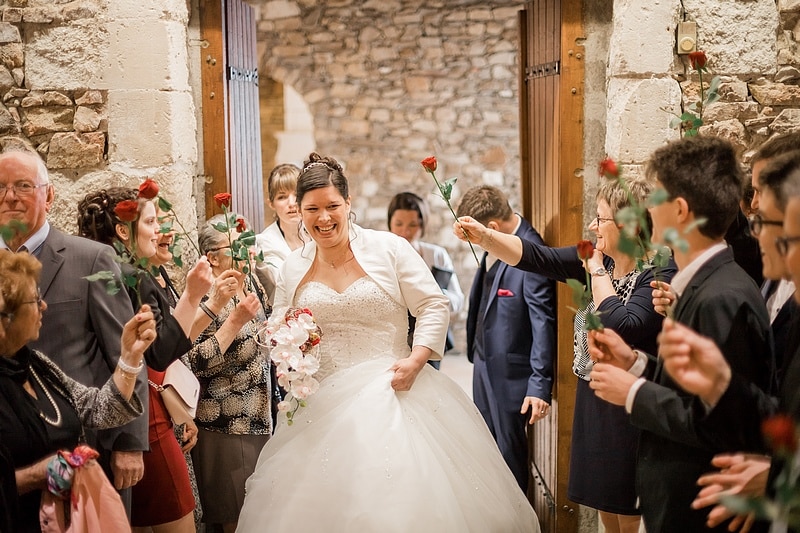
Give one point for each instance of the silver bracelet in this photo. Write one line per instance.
(128, 369)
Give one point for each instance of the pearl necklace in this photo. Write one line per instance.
(57, 421)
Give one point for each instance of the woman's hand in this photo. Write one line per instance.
(224, 288)
(595, 261)
(406, 370)
(199, 279)
(468, 228)
(189, 436)
(137, 335)
(245, 310)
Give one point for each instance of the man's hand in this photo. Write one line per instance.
(611, 383)
(694, 362)
(128, 468)
(607, 346)
(663, 297)
(538, 408)
(740, 474)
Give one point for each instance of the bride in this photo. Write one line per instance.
(387, 443)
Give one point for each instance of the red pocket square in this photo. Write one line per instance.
(504, 292)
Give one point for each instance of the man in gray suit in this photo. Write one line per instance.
(82, 326)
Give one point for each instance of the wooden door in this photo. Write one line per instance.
(231, 119)
(551, 143)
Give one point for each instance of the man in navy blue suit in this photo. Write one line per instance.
(510, 334)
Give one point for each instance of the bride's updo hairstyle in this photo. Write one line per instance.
(96, 217)
(320, 172)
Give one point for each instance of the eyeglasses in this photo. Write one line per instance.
(599, 220)
(782, 244)
(757, 223)
(10, 316)
(228, 247)
(21, 188)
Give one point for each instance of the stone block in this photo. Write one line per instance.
(730, 130)
(86, 119)
(639, 113)
(89, 97)
(12, 55)
(12, 15)
(768, 93)
(152, 59)
(733, 35)
(148, 10)
(638, 46)
(55, 98)
(76, 150)
(39, 120)
(9, 33)
(720, 111)
(68, 57)
(162, 131)
(787, 121)
(279, 9)
(7, 80)
(9, 122)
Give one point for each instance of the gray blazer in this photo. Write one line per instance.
(82, 326)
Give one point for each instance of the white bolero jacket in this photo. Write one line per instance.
(396, 267)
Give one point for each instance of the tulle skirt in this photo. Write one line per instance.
(361, 457)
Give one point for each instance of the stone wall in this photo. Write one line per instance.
(101, 90)
(752, 46)
(390, 82)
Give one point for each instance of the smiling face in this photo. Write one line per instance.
(165, 240)
(407, 224)
(325, 215)
(774, 266)
(27, 321)
(30, 209)
(606, 230)
(285, 206)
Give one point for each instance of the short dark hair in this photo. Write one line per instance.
(780, 144)
(782, 176)
(485, 203)
(705, 172)
(408, 201)
(320, 172)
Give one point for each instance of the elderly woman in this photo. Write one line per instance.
(604, 443)
(234, 414)
(41, 409)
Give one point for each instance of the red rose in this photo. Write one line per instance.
(241, 226)
(148, 190)
(609, 169)
(429, 164)
(127, 210)
(780, 433)
(585, 249)
(223, 199)
(697, 59)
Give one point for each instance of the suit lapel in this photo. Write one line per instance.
(51, 259)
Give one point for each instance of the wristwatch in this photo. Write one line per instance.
(599, 271)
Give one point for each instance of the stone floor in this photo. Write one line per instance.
(459, 369)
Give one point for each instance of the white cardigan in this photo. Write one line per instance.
(396, 267)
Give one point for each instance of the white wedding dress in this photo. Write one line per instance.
(362, 458)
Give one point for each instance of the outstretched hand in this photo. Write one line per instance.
(468, 228)
(739, 474)
(694, 362)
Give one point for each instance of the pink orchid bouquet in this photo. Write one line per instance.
(293, 337)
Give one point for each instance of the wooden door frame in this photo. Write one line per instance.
(561, 224)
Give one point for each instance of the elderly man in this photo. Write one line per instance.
(83, 323)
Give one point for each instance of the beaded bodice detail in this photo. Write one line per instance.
(361, 323)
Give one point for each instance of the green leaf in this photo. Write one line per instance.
(130, 280)
(102, 275)
(166, 227)
(657, 197)
(593, 322)
(220, 227)
(447, 188)
(164, 204)
(113, 287)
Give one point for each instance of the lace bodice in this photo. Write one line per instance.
(359, 324)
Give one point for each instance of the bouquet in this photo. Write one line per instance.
(293, 338)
